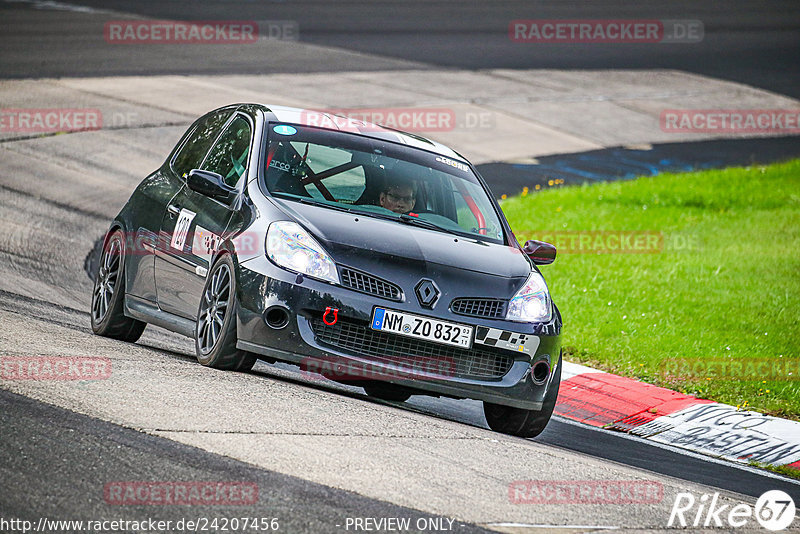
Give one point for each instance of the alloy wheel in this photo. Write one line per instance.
(213, 307)
(107, 278)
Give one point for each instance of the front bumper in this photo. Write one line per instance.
(484, 373)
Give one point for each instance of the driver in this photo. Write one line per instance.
(399, 196)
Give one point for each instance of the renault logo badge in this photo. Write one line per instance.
(427, 293)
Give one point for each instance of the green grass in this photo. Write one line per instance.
(725, 287)
(784, 470)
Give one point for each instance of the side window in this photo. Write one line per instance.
(194, 149)
(228, 158)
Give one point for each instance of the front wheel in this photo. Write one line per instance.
(215, 332)
(108, 295)
(524, 423)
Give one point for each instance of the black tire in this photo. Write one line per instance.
(523, 423)
(215, 331)
(108, 295)
(388, 392)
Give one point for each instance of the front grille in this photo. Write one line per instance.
(488, 308)
(407, 352)
(366, 283)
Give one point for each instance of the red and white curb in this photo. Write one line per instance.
(609, 401)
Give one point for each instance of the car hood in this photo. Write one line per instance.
(374, 244)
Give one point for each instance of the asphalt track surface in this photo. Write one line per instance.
(757, 43)
(40, 441)
(53, 460)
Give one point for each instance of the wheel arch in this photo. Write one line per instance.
(115, 225)
(227, 247)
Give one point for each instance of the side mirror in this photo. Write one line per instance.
(210, 184)
(540, 252)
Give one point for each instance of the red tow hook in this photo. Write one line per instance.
(328, 311)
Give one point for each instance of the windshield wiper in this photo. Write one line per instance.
(312, 202)
(403, 217)
(416, 221)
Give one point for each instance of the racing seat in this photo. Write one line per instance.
(283, 181)
(374, 183)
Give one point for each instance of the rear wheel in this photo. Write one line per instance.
(389, 392)
(215, 332)
(524, 423)
(108, 295)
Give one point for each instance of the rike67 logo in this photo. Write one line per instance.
(774, 511)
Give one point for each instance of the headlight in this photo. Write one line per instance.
(532, 302)
(291, 247)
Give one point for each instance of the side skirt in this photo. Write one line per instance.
(148, 312)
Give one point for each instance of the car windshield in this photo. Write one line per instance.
(379, 178)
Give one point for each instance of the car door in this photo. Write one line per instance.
(151, 198)
(194, 223)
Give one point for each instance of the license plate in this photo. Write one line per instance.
(408, 324)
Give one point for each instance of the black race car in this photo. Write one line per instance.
(368, 255)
